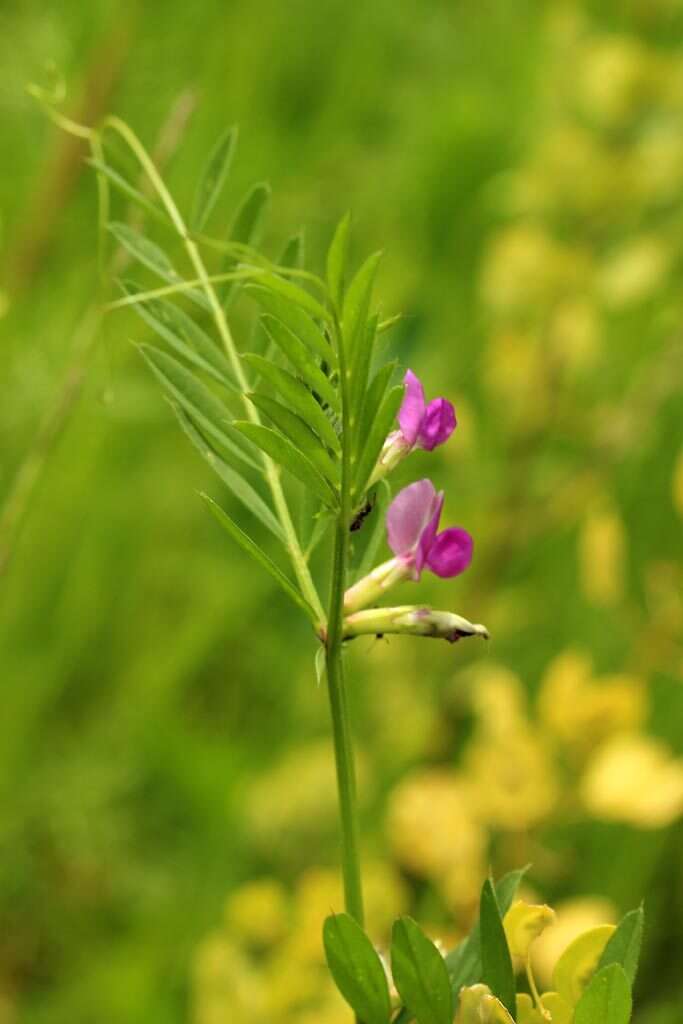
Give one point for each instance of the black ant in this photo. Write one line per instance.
(363, 513)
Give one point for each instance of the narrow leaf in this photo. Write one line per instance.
(337, 256)
(130, 191)
(464, 962)
(240, 487)
(283, 452)
(293, 316)
(624, 946)
(378, 433)
(607, 999)
(293, 254)
(297, 396)
(301, 436)
(246, 229)
(150, 255)
(145, 251)
(293, 292)
(195, 398)
(374, 397)
(299, 357)
(496, 961)
(357, 969)
(420, 974)
(359, 378)
(185, 336)
(248, 545)
(213, 178)
(357, 307)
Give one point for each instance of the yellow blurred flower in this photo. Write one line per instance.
(296, 799)
(226, 986)
(602, 554)
(514, 372)
(258, 912)
(498, 698)
(634, 272)
(512, 780)
(430, 827)
(574, 332)
(634, 779)
(524, 923)
(526, 268)
(615, 77)
(573, 918)
(581, 710)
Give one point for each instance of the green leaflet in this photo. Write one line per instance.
(624, 946)
(297, 396)
(213, 178)
(283, 452)
(337, 257)
(185, 336)
(150, 255)
(607, 999)
(248, 545)
(240, 487)
(359, 378)
(293, 254)
(195, 398)
(299, 357)
(357, 969)
(128, 190)
(295, 318)
(420, 974)
(357, 308)
(381, 426)
(496, 961)
(245, 229)
(293, 292)
(301, 436)
(373, 400)
(145, 251)
(464, 962)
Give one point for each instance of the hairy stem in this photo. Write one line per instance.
(341, 730)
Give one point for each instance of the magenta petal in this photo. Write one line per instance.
(408, 515)
(438, 423)
(428, 534)
(451, 552)
(412, 408)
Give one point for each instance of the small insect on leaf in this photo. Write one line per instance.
(213, 178)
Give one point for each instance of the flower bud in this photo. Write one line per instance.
(411, 620)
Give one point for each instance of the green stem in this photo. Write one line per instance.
(341, 729)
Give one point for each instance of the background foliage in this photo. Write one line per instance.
(162, 742)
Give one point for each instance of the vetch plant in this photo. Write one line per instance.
(310, 419)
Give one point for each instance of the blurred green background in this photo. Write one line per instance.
(162, 740)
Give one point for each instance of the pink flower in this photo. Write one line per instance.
(412, 525)
(424, 425)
